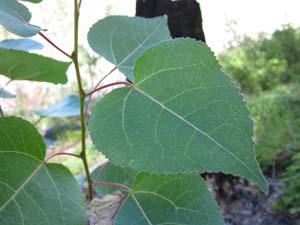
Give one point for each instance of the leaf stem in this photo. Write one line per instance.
(112, 184)
(62, 153)
(97, 85)
(79, 4)
(54, 45)
(109, 85)
(74, 58)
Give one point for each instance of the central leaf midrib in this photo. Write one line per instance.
(193, 126)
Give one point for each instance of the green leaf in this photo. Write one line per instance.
(33, 1)
(24, 44)
(183, 114)
(6, 94)
(33, 192)
(112, 173)
(169, 199)
(121, 39)
(20, 65)
(15, 17)
(67, 107)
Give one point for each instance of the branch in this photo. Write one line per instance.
(54, 45)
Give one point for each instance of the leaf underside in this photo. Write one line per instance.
(24, 44)
(20, 65)
(182, 115)
(121, 39)
(33, 192)
(6, 94)
(169, 199)
(15, 18)
(67, 107)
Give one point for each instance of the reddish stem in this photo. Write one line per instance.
(97, 85)
(110, 72)
(108, 85)
(79, 4)
(62, 153)
(54, 45)
(122, 186)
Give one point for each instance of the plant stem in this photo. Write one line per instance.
(108, 85)
(82, 96)
(79, 4)
(97, 85)
(122, 186)
(54, 45)
(62, 153)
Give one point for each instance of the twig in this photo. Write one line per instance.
(61, 153)
(109, 85)
(79, 4)
(54, 45)
(97, 85)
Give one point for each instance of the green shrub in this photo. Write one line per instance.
(290, 200)
(277, 122)
(263, 63)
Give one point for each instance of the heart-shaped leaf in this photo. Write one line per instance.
(169, 199)
(24, 44)
(183, 114)
(15, 17)
(32, 191)
(121, 39)
(20, 65)
(112, 173)
(67, 107)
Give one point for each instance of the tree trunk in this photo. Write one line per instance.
(184, 16)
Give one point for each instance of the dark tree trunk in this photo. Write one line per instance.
(184, 16)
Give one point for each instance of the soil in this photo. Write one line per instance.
(247, 205)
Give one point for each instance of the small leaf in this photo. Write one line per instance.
(6, 94)
(169, 199)
(15, 17)
(67, 107)
(121, 39)
(33, 192)
(24, 44)
(112, 173)
(183, 114)
(20, 65)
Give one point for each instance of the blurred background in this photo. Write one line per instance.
(258, 45)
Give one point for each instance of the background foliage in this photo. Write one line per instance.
(268, 71)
